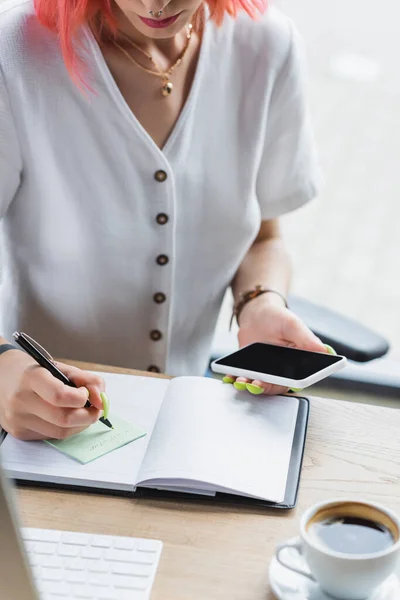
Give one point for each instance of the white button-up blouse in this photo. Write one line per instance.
(115, 251)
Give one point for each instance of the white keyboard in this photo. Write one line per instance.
(71, 566)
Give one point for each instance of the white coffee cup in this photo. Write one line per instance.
(344, 576)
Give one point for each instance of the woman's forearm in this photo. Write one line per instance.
(267, 263)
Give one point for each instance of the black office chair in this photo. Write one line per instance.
(355, 341)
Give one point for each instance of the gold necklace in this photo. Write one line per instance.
(167, 86)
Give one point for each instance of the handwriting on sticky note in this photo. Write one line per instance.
(98, 440)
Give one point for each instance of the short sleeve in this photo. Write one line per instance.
(10, 156)
(289, 174)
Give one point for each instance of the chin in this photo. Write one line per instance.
(161, 33)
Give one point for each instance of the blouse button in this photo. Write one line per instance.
(159, 297)
(162, 259)
(160, 176)
(155, 335)
(153, 369)
(162, 219)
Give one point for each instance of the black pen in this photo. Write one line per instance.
(44, 359)
(3, 435)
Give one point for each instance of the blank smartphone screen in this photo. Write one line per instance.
(280, 361)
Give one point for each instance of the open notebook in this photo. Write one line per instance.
(203, 437)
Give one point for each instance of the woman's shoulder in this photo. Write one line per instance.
(15, 17)
(267, 37)
(21, 35)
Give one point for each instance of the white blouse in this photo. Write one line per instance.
(115, 251)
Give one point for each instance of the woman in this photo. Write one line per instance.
(147, 149)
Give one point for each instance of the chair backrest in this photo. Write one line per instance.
(349, 337)
(15, 574)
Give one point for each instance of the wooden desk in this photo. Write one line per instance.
(217, 553)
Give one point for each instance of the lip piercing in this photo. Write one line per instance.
(158, 14)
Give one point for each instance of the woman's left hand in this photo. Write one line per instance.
(266, 319)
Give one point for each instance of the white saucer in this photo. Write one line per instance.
(288, 585)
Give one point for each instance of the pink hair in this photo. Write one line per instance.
(65, 17)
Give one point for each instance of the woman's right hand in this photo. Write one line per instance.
(34, 405)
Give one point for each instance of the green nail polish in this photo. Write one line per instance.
(254, 389)
(330, 349)
(296, 390)
(239, 385)
(227, 379)
(106, 404)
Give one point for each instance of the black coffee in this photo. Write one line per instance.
(352, 535)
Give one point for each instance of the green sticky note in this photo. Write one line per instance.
(98, 440)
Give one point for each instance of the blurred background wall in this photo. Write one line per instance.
(346, 245)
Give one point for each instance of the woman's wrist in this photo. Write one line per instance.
(253, 299)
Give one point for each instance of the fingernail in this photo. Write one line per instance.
(227, 379)
(254, 389)
(330, 349)
(106, 404)
(296, 390)
(87, 392)
(239, 385)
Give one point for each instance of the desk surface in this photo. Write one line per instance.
(223, 553)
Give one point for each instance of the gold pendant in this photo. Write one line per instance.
(167, 89)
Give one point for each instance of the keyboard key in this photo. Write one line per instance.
(131, 583)
(145, 558)
(45, 548)
(101, 541)
(107, 593)
(40, 587)
(148, 546)
(68, 550)
(97, 566)
(29, 546)
(51, 574)
(101, 579)
(79, 590)
(40, 535)
(57, 588)
(37, 572)
(77, 539)
(51, 562)
(120, 555)
(90, 552)
(76, 576)
(129, 594)
(131, 569)
(49, 535)
(124, 544)
(75, 564)
(34, 560)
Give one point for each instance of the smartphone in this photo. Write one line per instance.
(289, 367)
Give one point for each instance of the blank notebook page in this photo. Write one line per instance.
(215, 437)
